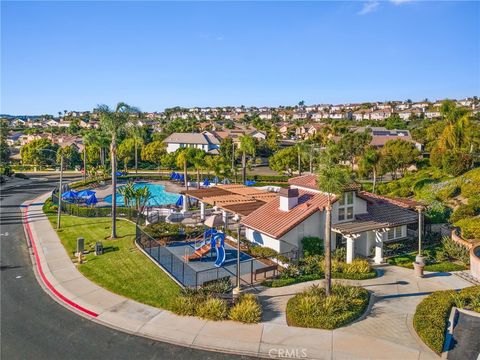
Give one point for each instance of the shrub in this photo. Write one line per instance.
(431, 316)
(470, 228)
(455, 251)
(312, 246)
(463, 212)
(437, 212)
(313, 309)
(246, 310)
(213, 309)
(186, 305)
(220, 286)
(358, 266)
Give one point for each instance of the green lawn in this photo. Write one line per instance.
(122, 269)
(407, 260)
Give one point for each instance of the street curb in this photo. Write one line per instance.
(39, 269)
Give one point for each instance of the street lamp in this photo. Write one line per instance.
(59, 212)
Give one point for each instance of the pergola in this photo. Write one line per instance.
(237, 199)
(380, 218)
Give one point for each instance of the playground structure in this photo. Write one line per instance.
(212, 239)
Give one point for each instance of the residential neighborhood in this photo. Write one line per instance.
(230, 180)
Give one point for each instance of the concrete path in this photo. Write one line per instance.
(386, 333)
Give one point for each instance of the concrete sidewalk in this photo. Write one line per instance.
(386, 333)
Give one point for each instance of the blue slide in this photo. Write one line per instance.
(219, 242)
(207, 236)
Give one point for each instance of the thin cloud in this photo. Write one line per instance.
(399, 2)
(369, 7)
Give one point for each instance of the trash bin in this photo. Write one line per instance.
(80, 245)
(98, 248)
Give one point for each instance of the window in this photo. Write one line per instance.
(350, 212)
(345, 212)
(395, 233)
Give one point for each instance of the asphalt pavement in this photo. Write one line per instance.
(34, 326)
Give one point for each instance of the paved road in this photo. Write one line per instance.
(34, 326)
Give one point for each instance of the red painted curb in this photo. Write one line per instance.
(42, 274)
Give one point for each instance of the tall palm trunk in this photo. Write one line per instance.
(84, 163)
(136, 157)
(374, 179)
(198, 178)
(113, 150)
(244, 167)
(185, 174)
(299, 163)
(328, 245)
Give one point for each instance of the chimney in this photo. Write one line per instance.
(288, 199)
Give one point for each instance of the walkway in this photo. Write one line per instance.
(385, 333)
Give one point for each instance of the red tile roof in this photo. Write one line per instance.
(270, 220)
(309, 181)
(378, 199)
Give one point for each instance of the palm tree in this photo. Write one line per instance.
(113, 121)
(301, 151)
(371, 162)
(247, 147)
(199, 164)
(183, 159)
(331, 179)
(137, 133)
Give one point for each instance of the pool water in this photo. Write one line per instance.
(159, 195)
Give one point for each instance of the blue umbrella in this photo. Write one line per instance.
(181, 177)
(179, 201)
(206, 182)
(172, 175)
(249, 182)
(69, 195)
(92, 200)
(176, 176)
(85, 193)
(216, 180)
(119, 173)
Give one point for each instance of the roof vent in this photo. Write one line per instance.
(288, 199)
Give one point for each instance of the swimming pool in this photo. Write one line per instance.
(159, 195)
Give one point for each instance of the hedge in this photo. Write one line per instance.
(313, 309)
(431, 316)
(274, 283)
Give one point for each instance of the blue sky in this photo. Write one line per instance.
(75, 55)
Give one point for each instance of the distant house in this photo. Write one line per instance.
(432, 114)
(362, 221)
(204, 141)
(408, 113)
(381, 135)
(315, 128)
(380, 114)
(362, 114)
(13, 139)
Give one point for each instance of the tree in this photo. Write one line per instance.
(154, 152)
(34, 152)
(398, 155)
(331, 179)
(370, 163)
(184, 159)
(126, 151)
(198, 158)
(71, 156)
(284, 160)
(301, 149)
(247, 147)
(137, 133)
(352, 145)
(4, 149)
(113, 121)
